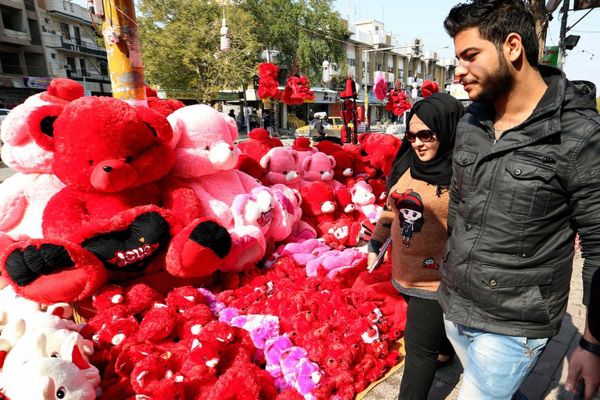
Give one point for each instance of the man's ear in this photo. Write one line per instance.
(513, 47)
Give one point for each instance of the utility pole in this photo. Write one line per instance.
(563, 33)
(124, 51)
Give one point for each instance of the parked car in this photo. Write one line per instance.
(332, 127)
(3, 114)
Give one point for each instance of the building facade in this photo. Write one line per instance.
(45, 39)
(72, 48)
(371, 51)
(23, 69)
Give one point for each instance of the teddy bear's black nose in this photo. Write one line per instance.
(107, 168)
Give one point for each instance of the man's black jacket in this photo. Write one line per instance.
(515, 207)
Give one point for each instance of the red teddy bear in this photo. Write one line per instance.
(109, 221)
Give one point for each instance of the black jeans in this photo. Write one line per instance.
(424, 339)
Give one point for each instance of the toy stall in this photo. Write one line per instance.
(146, 254)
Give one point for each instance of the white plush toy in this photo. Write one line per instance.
(47, 379)
(24, 195)
(364, 200)
(49, 364)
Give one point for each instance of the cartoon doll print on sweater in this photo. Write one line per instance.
(410, 211)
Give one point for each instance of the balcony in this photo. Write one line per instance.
(16, 4)
(88, 76)
(85, 48)
(68, 9)
(15, 37)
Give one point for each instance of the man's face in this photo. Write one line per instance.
(483, 70)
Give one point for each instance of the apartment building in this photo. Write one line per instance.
(72, 47)
(371, 51)
(45, 39)
(23, 69)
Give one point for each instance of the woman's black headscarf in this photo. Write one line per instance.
(440, 112)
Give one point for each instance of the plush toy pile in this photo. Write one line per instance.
(397, 102)
(206, 282)
(267, 81)
(297, 90)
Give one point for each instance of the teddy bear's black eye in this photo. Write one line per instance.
(128, 159)
(206, 148)
(285, 172)
(54, 355)
(61, 393)
(91, 162)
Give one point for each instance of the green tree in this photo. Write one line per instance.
(306, 31)
(180, 43)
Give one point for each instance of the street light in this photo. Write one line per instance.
(366, 72)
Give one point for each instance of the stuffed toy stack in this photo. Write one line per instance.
(195, 279)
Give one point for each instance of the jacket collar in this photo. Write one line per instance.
(543, 122)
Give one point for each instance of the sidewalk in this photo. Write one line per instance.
(547, 379)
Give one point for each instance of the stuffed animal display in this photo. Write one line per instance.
(203, 267)
(108, 222)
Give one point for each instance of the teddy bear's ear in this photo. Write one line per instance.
(40, 123)
(306, 163)
(233, 131)
(265, 161)
(157, 123)
(332, 161)
(294, 154)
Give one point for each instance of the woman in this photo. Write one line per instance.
(416, 216)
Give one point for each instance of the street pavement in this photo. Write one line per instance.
(545, 382)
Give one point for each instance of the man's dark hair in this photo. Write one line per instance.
(495, 20)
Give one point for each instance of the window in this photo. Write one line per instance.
(29, 5)
(34, 31)
(378, 67)
(71, 63)
(13, 19)
(351, 62)
(103, 68)
(53, 56)
(83, 66)
(64, 30)
(10, 63)
(77, 34)
(35, 64)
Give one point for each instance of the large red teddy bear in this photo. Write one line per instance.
(112, 220)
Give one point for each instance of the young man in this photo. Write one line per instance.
(526, 177)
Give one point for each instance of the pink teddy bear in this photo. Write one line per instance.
(280, 163)
(319, 167)
(206, 157)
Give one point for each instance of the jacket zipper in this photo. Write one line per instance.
(478, 238)
(540, 157)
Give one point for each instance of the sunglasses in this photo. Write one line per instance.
(424, 136)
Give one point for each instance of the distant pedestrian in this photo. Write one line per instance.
(231, 113)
